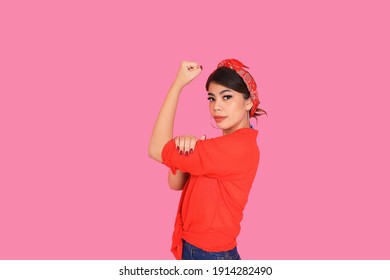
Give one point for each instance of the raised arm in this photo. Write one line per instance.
(163, 128)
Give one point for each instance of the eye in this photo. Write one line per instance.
(211, 99)
(226, 97)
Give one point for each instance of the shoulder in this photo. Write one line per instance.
(242, 133)
(241, 136)
(241, 141)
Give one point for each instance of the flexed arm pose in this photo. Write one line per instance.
(163, 128)
(216, 177)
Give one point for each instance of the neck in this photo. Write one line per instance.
(244, 124)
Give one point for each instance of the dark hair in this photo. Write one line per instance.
(229, 78)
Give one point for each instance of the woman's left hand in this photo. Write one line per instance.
(186, 144)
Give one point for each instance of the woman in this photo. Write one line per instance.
(215, 175)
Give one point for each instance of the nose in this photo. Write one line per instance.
(217, 106)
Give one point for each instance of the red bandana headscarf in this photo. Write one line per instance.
(238, 66)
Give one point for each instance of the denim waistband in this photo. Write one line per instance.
(191, 252)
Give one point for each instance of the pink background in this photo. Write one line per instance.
(82, 82)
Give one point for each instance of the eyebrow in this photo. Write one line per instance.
(222, 91)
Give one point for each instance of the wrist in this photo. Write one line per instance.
(178, 85)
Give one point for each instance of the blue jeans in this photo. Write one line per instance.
(190, 252)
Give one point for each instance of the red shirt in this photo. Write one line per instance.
(222, 171)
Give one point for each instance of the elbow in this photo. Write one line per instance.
(154, 154)
(151, 154)
(155, 150)
(176, 187)
(177, 182)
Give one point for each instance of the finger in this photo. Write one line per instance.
(194, 73)
(177, 143)
(187, 145)
(182, 145)
(193, 66)
(192, 145)
(197, 66)
(202, 137)
(192, 63)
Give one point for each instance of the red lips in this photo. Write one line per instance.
(219, 118)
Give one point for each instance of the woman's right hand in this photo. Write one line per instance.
(185, 145)
(187, 72)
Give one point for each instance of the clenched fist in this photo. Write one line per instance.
(187, 72)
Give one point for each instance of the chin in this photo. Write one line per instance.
(221, 126)
(224, 127)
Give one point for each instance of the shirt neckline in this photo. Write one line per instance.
(241, 130)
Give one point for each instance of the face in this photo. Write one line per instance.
(228, 108)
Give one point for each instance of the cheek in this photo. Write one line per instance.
(237, 107)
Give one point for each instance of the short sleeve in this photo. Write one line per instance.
(225, 157)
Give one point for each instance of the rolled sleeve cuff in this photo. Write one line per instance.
(166, 155)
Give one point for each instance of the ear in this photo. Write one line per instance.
(248, 104)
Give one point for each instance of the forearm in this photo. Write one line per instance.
(163, 127)
(177, 182)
